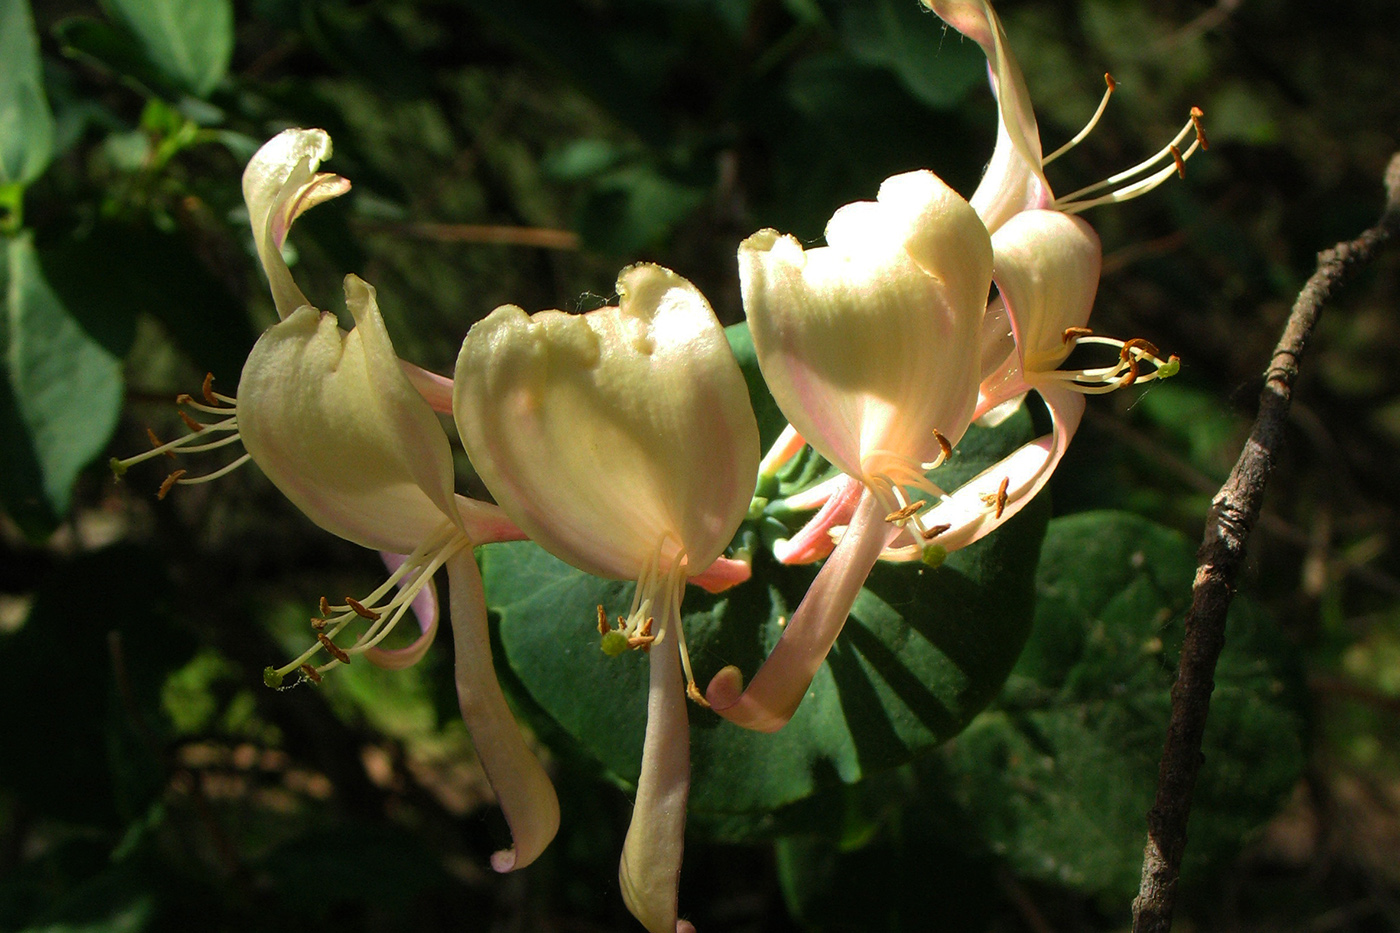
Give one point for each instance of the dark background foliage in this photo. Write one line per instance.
(524, 151)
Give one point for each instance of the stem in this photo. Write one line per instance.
(1232, 516)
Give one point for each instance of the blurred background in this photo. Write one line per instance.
(522, 152)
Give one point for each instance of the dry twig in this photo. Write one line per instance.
(1232, 516)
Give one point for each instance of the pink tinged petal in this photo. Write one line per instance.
(280, 183)
(425, 610)
(522, 788)
(971, 510)
(485, 523)
(436, 390)
(331, 419)
(1014, 180)
(725, 573)
(649, 873)
(870, 343)
(780, 684)
(813, 540)
(605, 433)
(1047, 270)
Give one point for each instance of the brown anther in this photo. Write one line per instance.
(602, 620)
(184, 398)
(1001, 495)
(169, 484)
(1108, 79)
(645, 630)
(208, 389)
(325, 606)
(157, 442)
(640, 642)
(1138, 343)
(190, 423)
(935, 531)
(1196, 116)
(318, 623)
(944, 443)
(1180, 162)
(310, 673)
(695, 695)
(900, 516)
(332, 648)
(1132, 375)
(1074, 333)
(360, 610)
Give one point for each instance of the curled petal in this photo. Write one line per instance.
(870, 343)
(649, 873)
(279, 185)
(604, 433)
(425, 610)
(333, 421)
(523, 789)
(972, 510)
(780, 684)
(1014, 180)
(813, 540)
(1047, 269)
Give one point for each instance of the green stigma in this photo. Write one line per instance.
(272, 678)
(614, 643)
(934, 555)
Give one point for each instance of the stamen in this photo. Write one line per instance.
(319, 623)
(1075, 203)
(1139, 343)
(901, 516)
(1001, 495)
(360, 610)
(944, 443)
(207, 477)
(207, 389)
(1180, 162)
(169, 484)
(332, 648)
(1075, 333)
(190, 423)
(602, 620)
(310, 673)
(696, 697)
(1088, 127)
(158, 444)
(325, 606)
(935, 530)
(1196, 118)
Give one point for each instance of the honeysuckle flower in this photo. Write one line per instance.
(622, 442)
(1045, 264)
(336, 421)
(871, 347)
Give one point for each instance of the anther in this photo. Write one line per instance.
(1138, 343)
(1196, 116)
(359, 610)
(1132, 375)
(695, 695)
(190, 423)
(935, 531)
(900, 516)
(1108, 79)
(208, 389)
(1180, 162)
(944, 443)
(169, 484)
(310, 673)
(318, 623)
(1074, 333)
(332, 648)
(325, 606)
(1001, 495)
(602, 620)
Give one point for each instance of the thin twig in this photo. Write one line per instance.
(1232, 516)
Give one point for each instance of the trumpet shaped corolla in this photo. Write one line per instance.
(871, 347)
(622, 442)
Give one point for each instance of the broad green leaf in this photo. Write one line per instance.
(26, 124)
(66, 387)
(113, 49)
(190, 41)
(924, 651)
(634, 207)
(1058, 777)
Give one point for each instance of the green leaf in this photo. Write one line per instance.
(65, 386)
(26, 124)
(113, 49)
(1058, 778)
(635, 207)
(923, 652)
(190, 41)
(934, 64)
